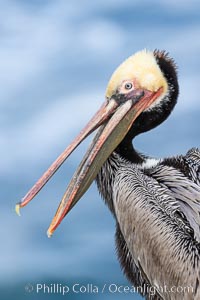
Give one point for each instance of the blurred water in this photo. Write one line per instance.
(56, 59)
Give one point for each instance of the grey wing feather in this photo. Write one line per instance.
(185, 191)
(192, 159)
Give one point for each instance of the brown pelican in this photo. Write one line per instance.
(156, 202)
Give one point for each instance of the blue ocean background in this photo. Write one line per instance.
(56, 58)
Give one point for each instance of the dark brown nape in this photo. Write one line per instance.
(163, 56)
(169, 69)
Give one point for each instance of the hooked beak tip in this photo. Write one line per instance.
(17, 209)
(50, 232)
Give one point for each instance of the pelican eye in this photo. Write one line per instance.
(128, 86)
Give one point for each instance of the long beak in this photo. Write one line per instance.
(116, 120)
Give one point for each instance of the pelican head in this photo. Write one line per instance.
(137, 90)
